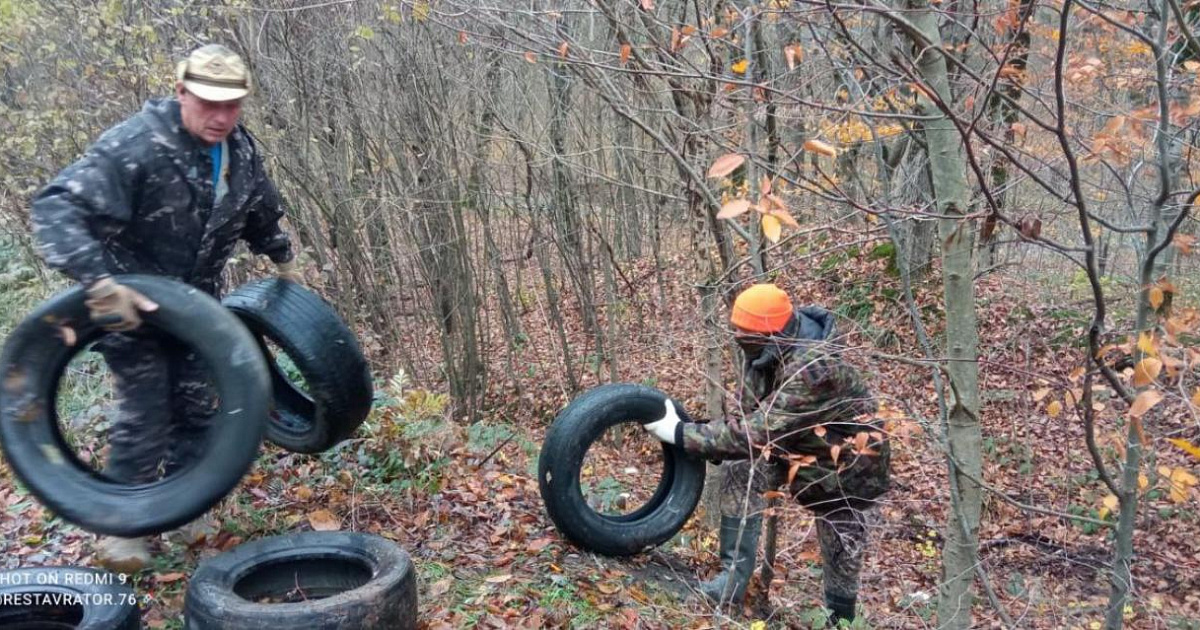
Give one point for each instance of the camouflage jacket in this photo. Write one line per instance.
(140, 200)
(810, 407)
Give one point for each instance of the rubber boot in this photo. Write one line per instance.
(840, 607)
(737, 560)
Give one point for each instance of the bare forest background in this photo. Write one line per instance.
(514, 201)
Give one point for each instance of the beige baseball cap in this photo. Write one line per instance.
(214, 73)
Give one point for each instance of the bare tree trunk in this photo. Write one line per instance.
(963, 434)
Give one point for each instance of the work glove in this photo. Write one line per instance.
(289, 271)
(669, 428)
(115, 306)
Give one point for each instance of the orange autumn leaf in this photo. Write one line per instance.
(626, 50)
(324, 521)
(1146, 371)
(1144, 402)
(772, 228)
(725, 165)
(785, 218)
(1186, 447)
(1184, 243)
(820, 148)
(531, 57)
(734, 208)
(1156, 297)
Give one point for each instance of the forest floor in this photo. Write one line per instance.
(463, 499)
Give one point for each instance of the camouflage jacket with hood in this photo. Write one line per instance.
(140, 200)
(800, 399)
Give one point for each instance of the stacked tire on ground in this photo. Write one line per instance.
(311, 580)
(53, 598)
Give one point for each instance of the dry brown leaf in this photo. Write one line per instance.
(498, 579)
(626, 50)
(1054, 408)
(440, 587)
(1186, 446)
(608, 588)
(1156, 297)
(562, 49)
(531, 57)
(539, 544)
(772, 228)
(725, 165)
(1181, 484)
(302, 492)
(734, 208)
(324, 521)
(820, 148)
(1147, 343)
(1144, 402)
(169, 577)
(1146, 371)
(785, 218)
(1184, 242)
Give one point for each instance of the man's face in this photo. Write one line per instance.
(210, 121)
(752, 343)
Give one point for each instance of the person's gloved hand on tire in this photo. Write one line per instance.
(115, 306)
(289, 271)
(669, 428)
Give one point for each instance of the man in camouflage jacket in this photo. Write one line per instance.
(167, 192)
(806, 423)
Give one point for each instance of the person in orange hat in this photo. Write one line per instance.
(805, 405)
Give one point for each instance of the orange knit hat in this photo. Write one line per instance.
(763, 308)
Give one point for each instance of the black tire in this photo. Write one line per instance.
(53, 598)
(579, 425)
(350, 580)
(326, 353)
(34, 358)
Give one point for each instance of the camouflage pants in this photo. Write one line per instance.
(166, 404)
(843, 526)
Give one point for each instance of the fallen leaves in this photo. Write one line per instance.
(324, 521)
